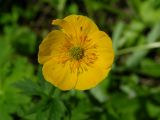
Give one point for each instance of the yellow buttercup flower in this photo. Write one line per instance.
(77, 56)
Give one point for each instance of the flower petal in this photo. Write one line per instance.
(91, 78)
(48, 47)
(65, 25)
(76, 25)
(59, 74)
(101, 66)
(82, 24)
(104, 48)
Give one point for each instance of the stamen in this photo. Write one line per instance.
(76, 53)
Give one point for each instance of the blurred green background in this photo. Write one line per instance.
(130, 92)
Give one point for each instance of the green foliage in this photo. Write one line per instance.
(130, 92)
(150, 68)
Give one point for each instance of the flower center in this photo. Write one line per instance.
(76, 53)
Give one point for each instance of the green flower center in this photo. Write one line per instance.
(76, 53)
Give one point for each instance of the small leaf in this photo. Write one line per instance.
(153, 109)
(150, 68)
(117, 34)
(73, 9)
(28, 87)
(136, 57)
(99, 94)
(57, 109)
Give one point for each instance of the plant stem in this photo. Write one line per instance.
(138, 48)
(52, 91)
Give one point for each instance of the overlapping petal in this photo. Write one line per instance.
(101, 66)
(65, 72)
(59, 74)
(49, 46)
(76, 25)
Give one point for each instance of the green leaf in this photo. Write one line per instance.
(29, 87)
(150, 68)
(41, 115)
(122, 107)
(99, 92)
(73, 9)
(135, 4)
(57, 109)
(150, 7)
(4, 115)
(137, 56)
(40, 106)
(80, 112)
(153, 109)
(23, 37)
(117, 34)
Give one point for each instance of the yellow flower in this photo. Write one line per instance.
(77, 56)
